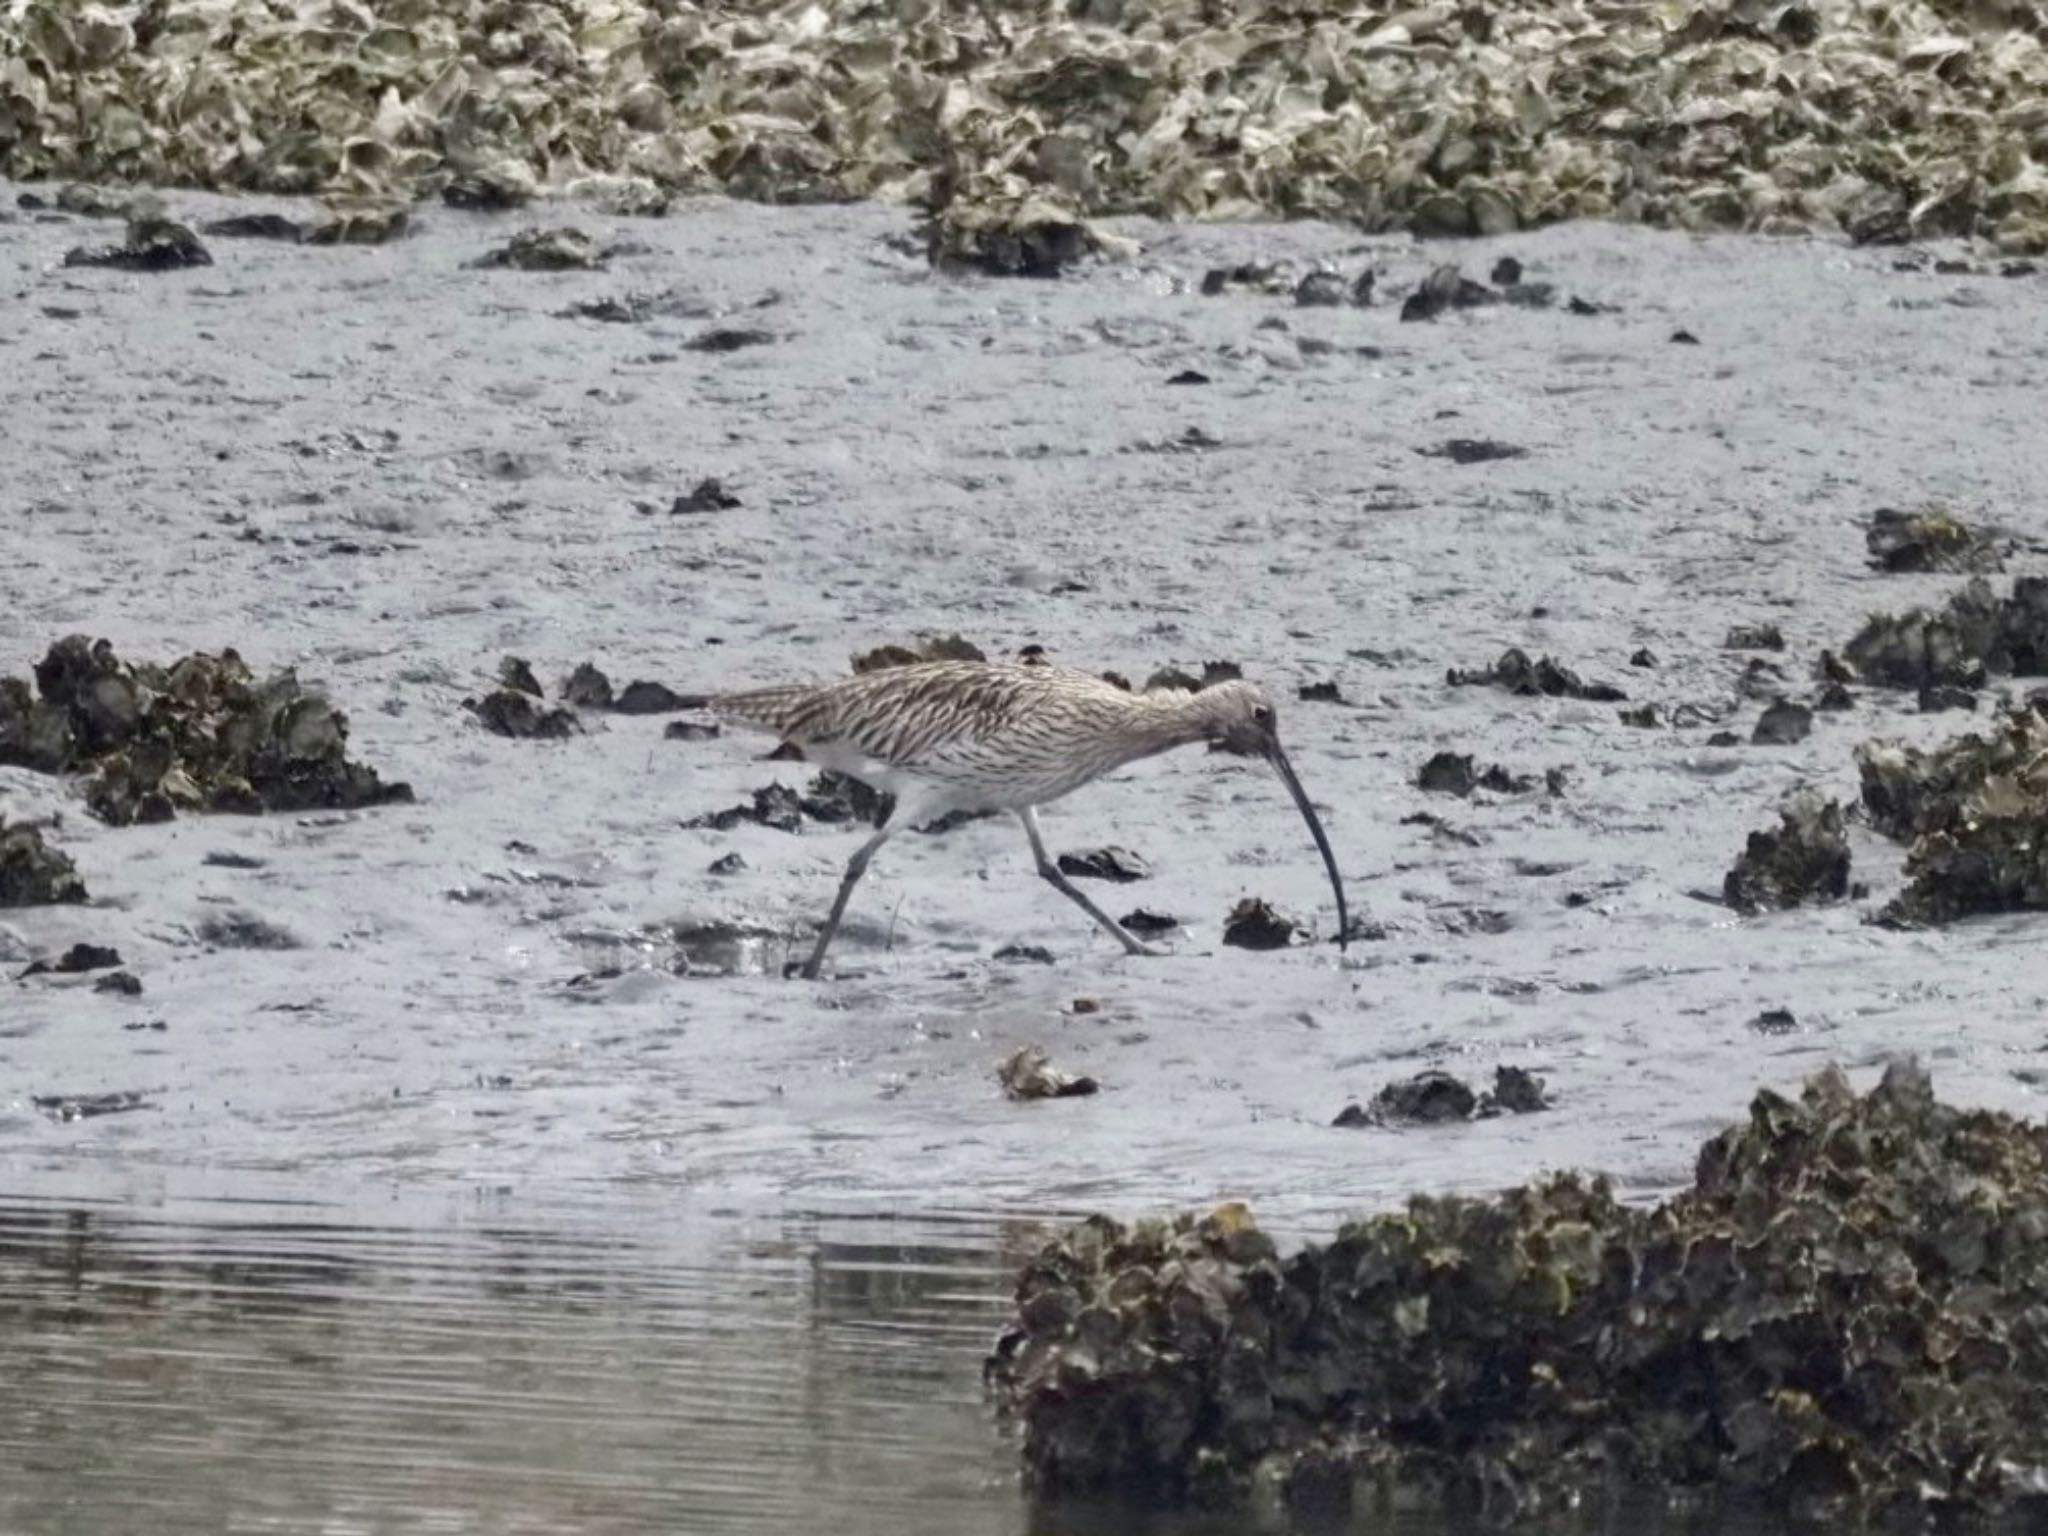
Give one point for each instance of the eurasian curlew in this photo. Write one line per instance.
(1003, 736)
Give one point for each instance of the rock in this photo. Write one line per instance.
(1319, 693)
(588, 688)
(515, 674)
(200, 734)
(154, 244)
(1775, 1021)
(1975, 634)
(1118, 864)
(1246, 277)
(1519, 675)
(1471, 450)
(118, 984)
(1515, 1091)
(1553, 1344)
(1027, 1074)
(729, 338)
(77, 959)
(947, 648)
(1451, 773)
(1975, 813)
(508, 712)
(243, 930)
(255, 226)
(689, 730)
(1805, 859)
(707, 495)
(545, 250)
(727, 864)
(491, 189)
(1147, 923)
(642, 697)
(362, 221)
(1783, 724)
(1754, 637)
(1321, 289)
(1424, 1099)
(1445, 288)
(1025, 954)
(1930, 540)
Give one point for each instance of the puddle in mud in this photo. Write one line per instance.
(235, 1365)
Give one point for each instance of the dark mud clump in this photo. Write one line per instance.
(32, 873)
(1027, 1074)
(1519, 675)
(76, 960)
(201, 734)
(1253, 924)
(1805, 858)
(1930, 540)
(1432, 1097)
(1976, 813)
(1841, 1319)
(1976, 634)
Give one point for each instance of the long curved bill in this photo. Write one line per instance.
(1285, 769)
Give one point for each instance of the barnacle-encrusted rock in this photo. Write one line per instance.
(1518, 674)
(1845, 1316)
(1976, 812)
(1015, 125)
(1975, 634)
(32, 873)
(1930, 540)
(1805, 858)
(201, 734)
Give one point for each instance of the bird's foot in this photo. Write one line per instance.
(1133, 947)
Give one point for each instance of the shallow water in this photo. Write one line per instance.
(247, 1366)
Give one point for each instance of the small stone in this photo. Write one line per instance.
(1319, 693)
(727, 864)
(1685, 338)
(1143, 921)
(118, 984)
(1025, 954)
(689, 730)
(1774, 1021)
(1643, 658)
(1111, 863)
(508, 712)
(1027, 1074)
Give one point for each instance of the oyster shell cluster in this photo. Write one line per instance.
(1883, 119)
(1845, 1315)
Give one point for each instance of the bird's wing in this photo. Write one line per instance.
(902, 715)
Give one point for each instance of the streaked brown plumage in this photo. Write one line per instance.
(1002, 736)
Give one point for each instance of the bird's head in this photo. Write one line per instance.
(1238, 717)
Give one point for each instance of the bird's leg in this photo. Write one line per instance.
(1059, 882)
(855, 868)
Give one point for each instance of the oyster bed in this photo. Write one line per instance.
(1885, 120)
(1845, 1315)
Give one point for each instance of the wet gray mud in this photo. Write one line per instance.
(389, 469)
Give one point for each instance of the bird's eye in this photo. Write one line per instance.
(1262, 716)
